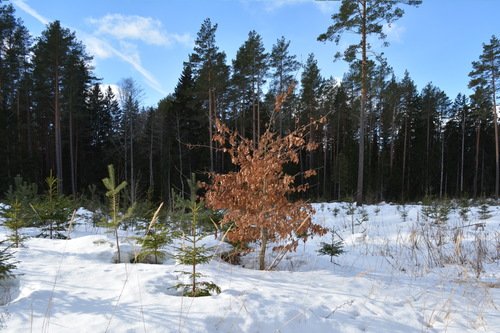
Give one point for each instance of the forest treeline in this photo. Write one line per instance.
(57, 117)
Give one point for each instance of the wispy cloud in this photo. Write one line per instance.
(100, 48)
(30, 11)
(97, 47)
(128, 53)
(140, 28)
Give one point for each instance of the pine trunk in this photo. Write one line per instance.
(495, 119)
(58, 140)
(476, 168)
(463, 154)
(404, 162)
(361, 153)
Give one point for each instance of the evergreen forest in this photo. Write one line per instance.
(405, 142)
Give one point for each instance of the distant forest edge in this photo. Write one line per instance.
(56, 117)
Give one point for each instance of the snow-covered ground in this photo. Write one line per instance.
(395, 276)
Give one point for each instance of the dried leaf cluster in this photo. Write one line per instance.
(255, 197)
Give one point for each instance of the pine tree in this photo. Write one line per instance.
(283, 66)
(249, 71)
(15, 43)
(485, 74)
(211, 75)
(116, 217)
(363, 17)
(480, 107)
(61, 77)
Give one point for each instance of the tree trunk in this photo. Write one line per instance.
(361, 153)
(463, 153)
(263, 245)
(495, 119)
(179, 147)
(151, 176)
(393, 135)
(442, 161)
(476, 169)
(71, 150)
(427, 149)
(210, 126)
(58, 140)
(404, 161)
(132, 177)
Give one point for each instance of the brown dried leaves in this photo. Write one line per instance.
(256, 196)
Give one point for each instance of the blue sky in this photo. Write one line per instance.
(149, 40)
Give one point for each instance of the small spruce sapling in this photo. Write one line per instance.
(484, 210)
(6, 263)
(22, 191)
(464, 210)
(350, 209)
(332, 249)
(479, 239)
(192, 252)
(17, 211)
(403, 212)
(358, 215)
(53, 212)
(15, 220)
(444, 209)
(116, 217)
(156, 237)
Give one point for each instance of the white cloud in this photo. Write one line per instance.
(394, 32)
(30, 11)
(97, 47)
(134, 27)
(134, 61)
(100, 48)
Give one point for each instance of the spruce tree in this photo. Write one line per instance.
(191, 252)
(52, 212)
(157, 236)
(15, 220)
(332, 249)
(7, 265)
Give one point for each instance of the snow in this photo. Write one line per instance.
(388, 280)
